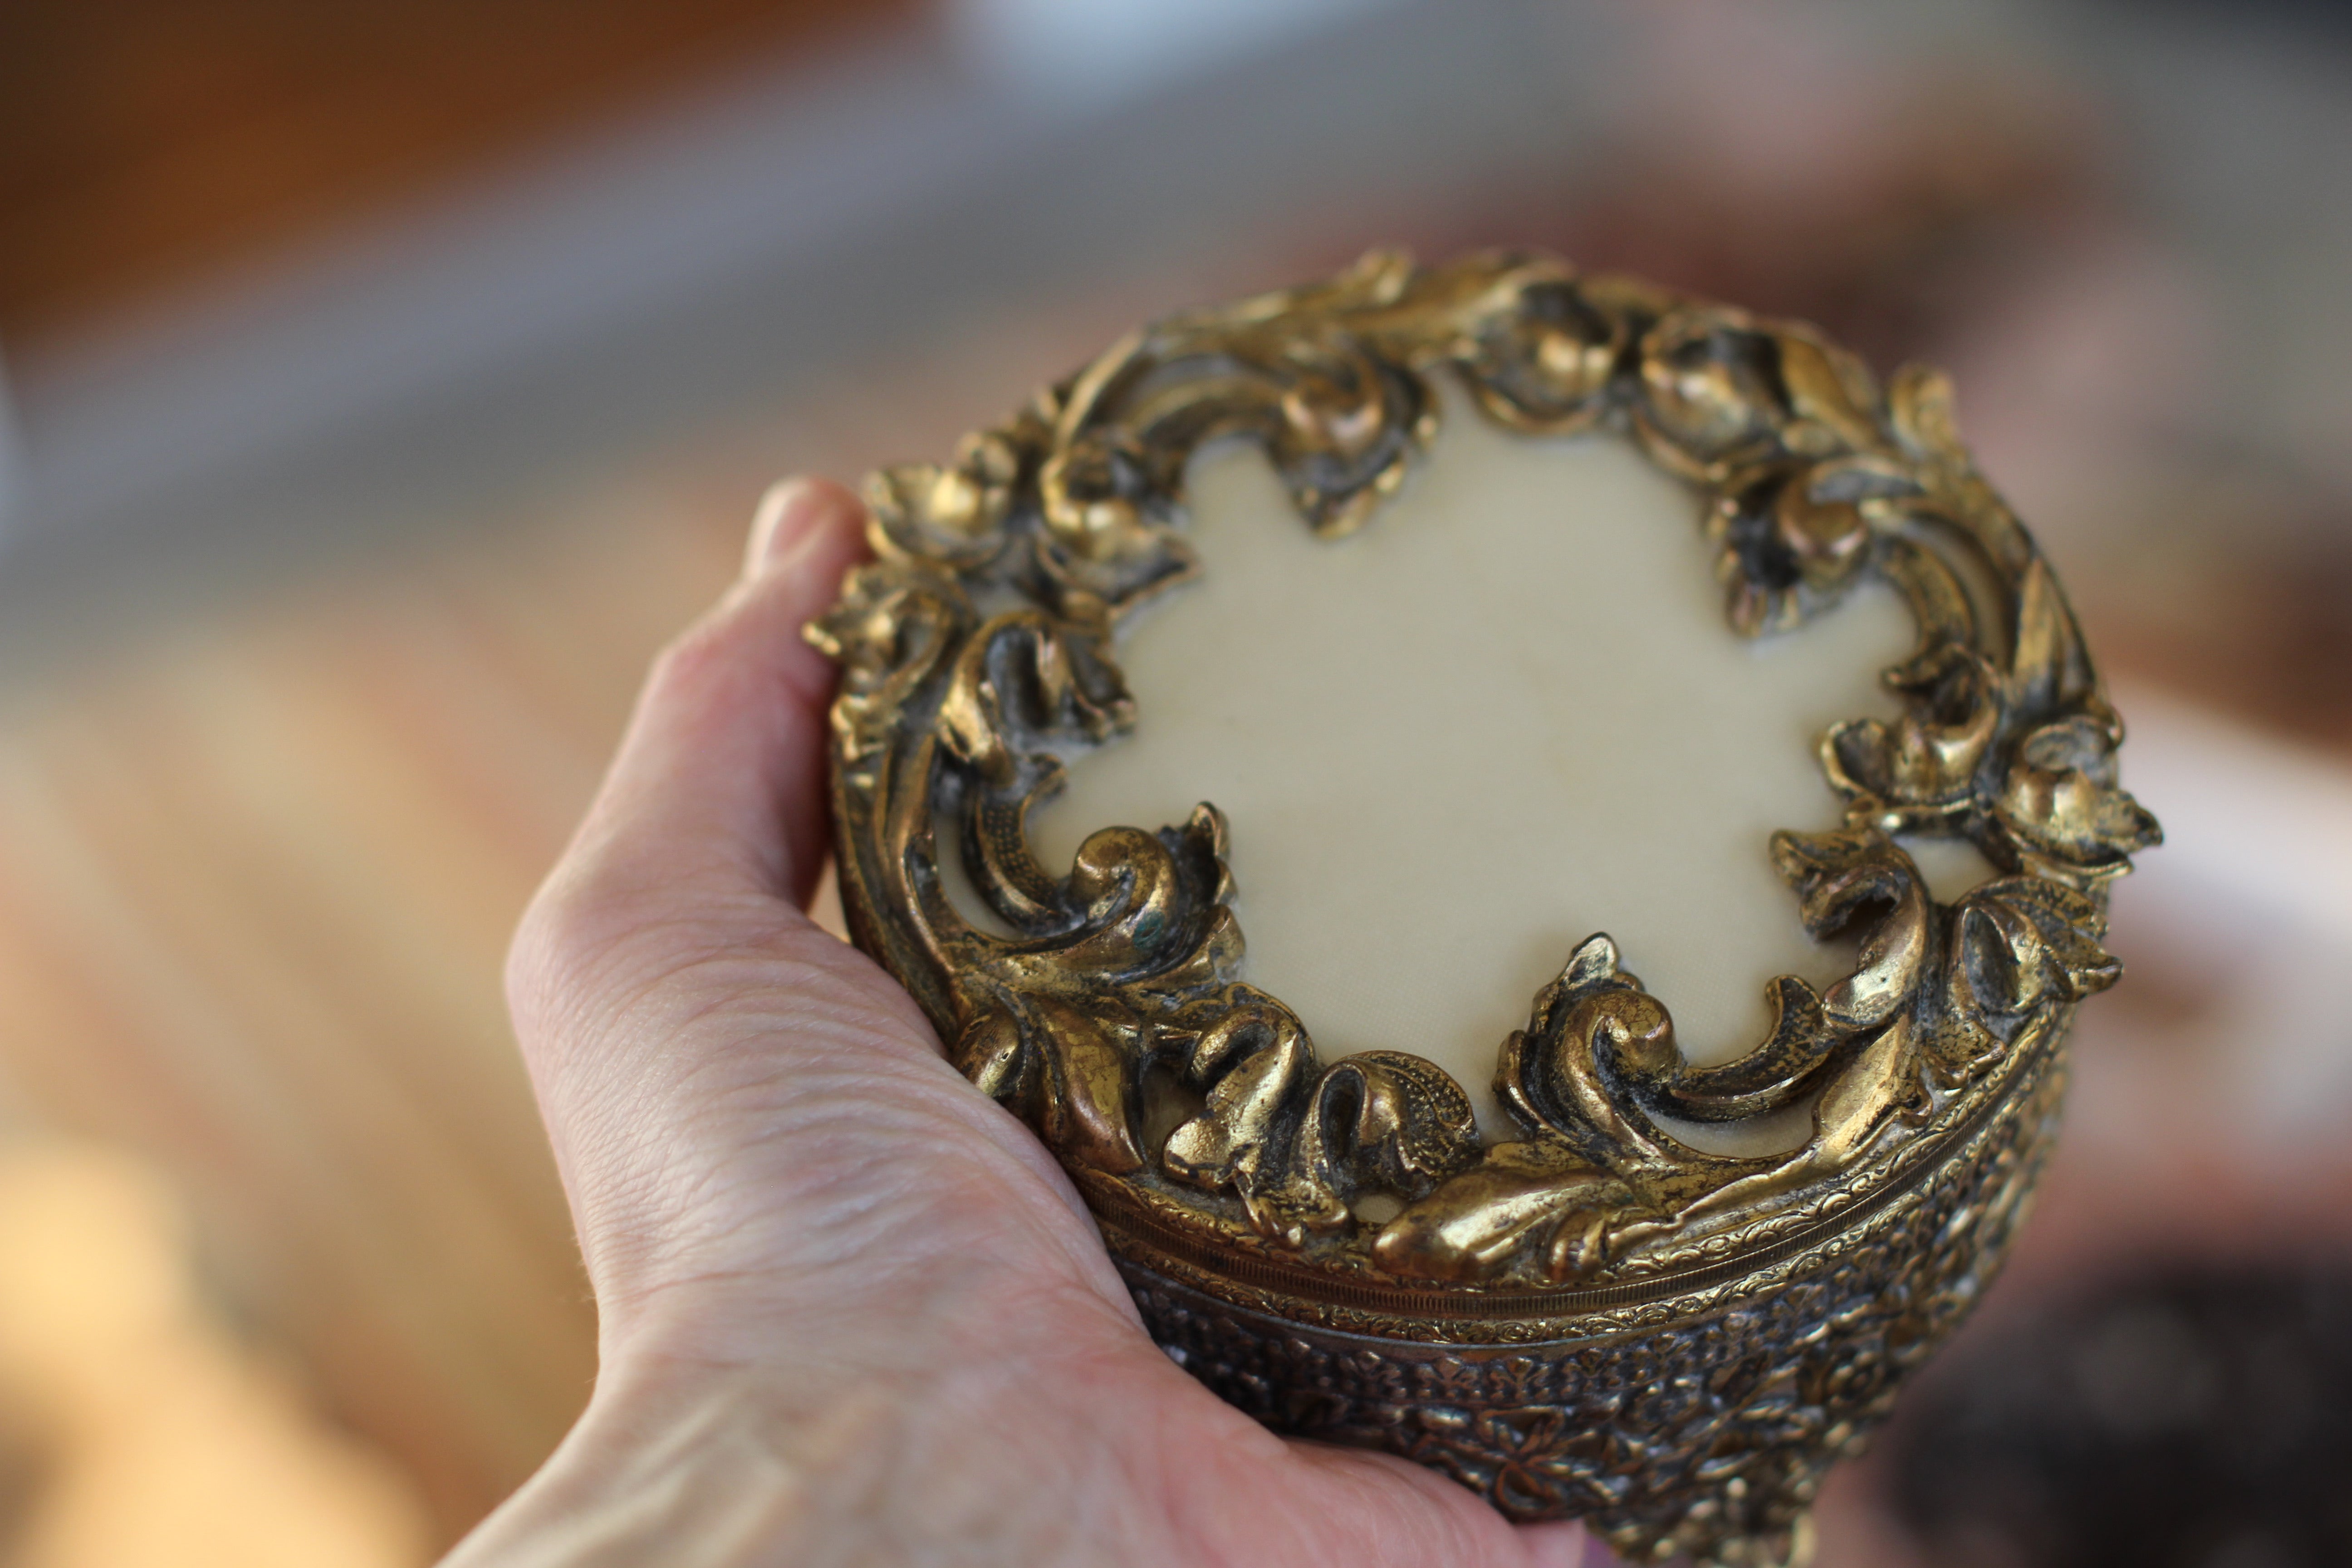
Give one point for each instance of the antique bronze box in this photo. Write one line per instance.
(1587, 1308)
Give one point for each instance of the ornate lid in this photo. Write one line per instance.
(1110, 1009)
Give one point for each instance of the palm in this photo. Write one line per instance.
(781, 1186)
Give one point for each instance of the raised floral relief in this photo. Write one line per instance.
(1106, 1003)
(1129, 962)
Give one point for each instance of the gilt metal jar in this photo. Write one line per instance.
(1590, 1316)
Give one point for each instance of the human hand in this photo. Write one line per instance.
(850, 1309)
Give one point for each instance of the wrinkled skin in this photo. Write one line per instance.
(851, 1311)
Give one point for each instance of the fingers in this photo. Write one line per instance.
(708, 829)
(720, 777)
(1561, 1545)
(1417, 1515)
(713, 812)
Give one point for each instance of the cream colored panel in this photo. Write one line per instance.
(1507, 714)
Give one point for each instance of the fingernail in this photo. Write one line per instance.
(786, 514)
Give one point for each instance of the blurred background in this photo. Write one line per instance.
(382, 383)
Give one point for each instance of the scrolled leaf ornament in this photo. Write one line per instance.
(1330, 1244)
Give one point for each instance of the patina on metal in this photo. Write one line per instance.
(1592, 1319)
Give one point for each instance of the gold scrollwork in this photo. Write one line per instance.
(1105, 1004)
(1123, 972)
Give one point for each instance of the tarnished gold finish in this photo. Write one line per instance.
(1593, 1317)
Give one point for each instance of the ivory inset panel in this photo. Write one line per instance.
(1505, 715)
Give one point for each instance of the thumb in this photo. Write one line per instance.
(720, 775)
(714, 808)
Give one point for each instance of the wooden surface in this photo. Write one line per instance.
(142, 1431)
(254, 886)
(258, 869)
(256, 881)
(145, 143)
(259, 865)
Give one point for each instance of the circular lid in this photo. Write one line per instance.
(1105, 997)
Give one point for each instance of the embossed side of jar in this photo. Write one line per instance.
(1707, 1436)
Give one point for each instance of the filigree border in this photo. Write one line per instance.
(977, 652)
(1699, 1429)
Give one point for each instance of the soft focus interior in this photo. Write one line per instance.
(380, 386)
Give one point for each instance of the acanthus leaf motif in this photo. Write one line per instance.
(1599, 1177)
(2021, 941)
(1839, 874)
(1129, 962)
(1063, 1069)
(953, 515)
(1297, 1142)
(2059, 812)
(1923, 770)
